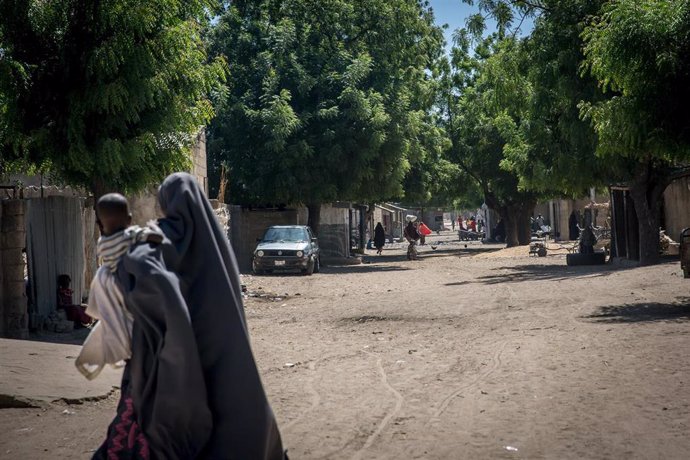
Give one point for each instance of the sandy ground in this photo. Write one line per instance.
(455, 356)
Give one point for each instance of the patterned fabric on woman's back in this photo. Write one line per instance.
(125, 440)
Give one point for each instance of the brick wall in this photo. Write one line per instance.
(246, 226)
(14, 318)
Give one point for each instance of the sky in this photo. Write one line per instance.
(455, 12)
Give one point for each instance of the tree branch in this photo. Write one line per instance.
(530, 5)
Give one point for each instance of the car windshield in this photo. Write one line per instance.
(285, 234)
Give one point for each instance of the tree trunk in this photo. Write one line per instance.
(646, 192)
(648, 225)
(647, 210)
(371, 207)
(98, 188)
(510, 215)
(314, 210)
(362, 228)
(524, 227)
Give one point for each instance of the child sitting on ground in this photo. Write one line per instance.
(110, 339)
(73, 312)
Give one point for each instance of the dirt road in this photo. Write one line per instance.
(464, 354)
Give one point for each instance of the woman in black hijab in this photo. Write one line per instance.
(198, 252)
(573, 229)
(191, 388)
(379, 238)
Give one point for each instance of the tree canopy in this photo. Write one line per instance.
(327, 101)
(638, 51)
(354, 99)
(104, 95)
(486, 94)
(609, 100)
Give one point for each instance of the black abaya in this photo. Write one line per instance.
(197, 250)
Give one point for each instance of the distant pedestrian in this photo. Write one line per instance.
(379, 238)
(573, 229)
(411, 235)
(472, 225)
(499, 232)
(424, 231)
(540, 221)
(462, 224)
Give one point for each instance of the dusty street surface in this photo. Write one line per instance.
(463, 354)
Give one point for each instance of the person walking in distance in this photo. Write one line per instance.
(379, 238)
(411, 235)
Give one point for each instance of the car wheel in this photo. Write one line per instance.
(317, 265)
(257, 271)
(310, 268)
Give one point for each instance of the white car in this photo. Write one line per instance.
(287, 248)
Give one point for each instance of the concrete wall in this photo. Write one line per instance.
(432, 218)
(199, 161)
(564, 207)
(14, 318)
(248, 225)
(334, 231)
(144, 206)
(677, 207)
(391, 221)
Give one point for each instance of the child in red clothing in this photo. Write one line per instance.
(75, 313)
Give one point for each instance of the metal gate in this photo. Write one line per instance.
(55, 245)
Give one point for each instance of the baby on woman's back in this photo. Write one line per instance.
(110, 340)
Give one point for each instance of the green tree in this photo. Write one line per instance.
(105, 95)
(638, 51)
(555, 150)
(610, 100)
(327, 101)
(486, 98)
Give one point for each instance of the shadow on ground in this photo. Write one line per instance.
(540, 272)
(365, 319)
(643, 312)
(442, 251)
(362, 268)
(75, 337)
(427, 251)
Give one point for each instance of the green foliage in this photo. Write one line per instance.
(327, 101)
(106, 95)
(554, 152)
(486, 102)
(638, 51)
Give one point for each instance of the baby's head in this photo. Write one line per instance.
(112, 212)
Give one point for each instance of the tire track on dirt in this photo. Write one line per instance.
(316, 396)
(386, 420)
(496, 362)
(315, 400)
